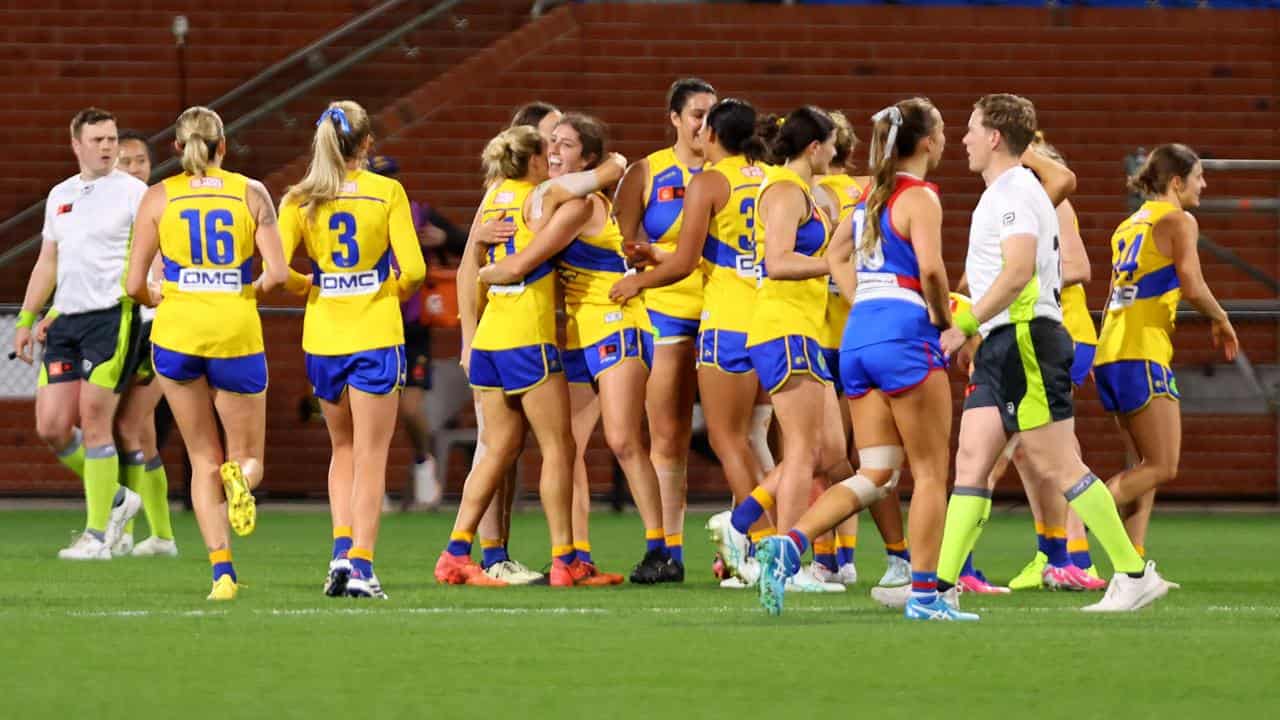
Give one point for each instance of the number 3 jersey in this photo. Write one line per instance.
(206, 245)
(888, 304)
(356, 243)
(1144, 292)
(728, 256)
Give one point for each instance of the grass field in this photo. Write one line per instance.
(137, 638)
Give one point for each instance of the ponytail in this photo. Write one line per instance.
(340, 136)
(895, 135)
(1161, 167)
(199, 133)
(507, 155)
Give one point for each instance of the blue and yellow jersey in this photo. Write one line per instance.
(206, 244)
(1075, 312)
(663, 213)
(589, 267)
(356, 242)
(847, 193)
(524, 313)
(729, 255)
(790, 307)
(1144, 292)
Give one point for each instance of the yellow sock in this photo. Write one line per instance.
(763, 497)
(758, 535)
(342, 531)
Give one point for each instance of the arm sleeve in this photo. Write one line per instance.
(404, 240)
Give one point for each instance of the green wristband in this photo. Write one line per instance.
(966, 322)
(26, 319)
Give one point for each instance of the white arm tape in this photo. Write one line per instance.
(581, 184)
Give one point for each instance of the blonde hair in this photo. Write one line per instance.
(846, 140)
(340, 135)
(198, 131)
(508, 154)
(897, 131)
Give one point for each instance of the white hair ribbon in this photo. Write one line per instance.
(895, 121)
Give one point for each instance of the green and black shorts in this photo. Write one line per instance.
(99, 347)
(1024, 370)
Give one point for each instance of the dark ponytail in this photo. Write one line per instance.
(1163, 165)
(802, 127)
(734, 123)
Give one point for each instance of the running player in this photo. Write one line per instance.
(206, 339)
(716, 234)
(887, 257)
(513, 358)
(87, 360)
(356, 228)
(1154, 266)
(1021, 381)
(650, 202)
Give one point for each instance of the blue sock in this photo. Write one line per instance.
(676, 552)
(224, 568)
(655, 541)
(1058, 552)
(582, 552)
(924, 586)
(362, 566)
(750, 510)
(341, 546)
(492, 553)
(898, 549)
(968, 566)
(800, 539)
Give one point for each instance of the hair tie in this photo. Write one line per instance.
(337, 115)
(895, 121)
(780, 121)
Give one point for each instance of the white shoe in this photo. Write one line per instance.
(512, 572)
(86, 547)
(731, 544)
(335, 583)
(804, 581)
(892, 597)
(848, 574)
(126, 504)
(156, 547)
(749, 573)
(820, 571)
(734, 583)
(123, 546)
(898, 572)
(360, 587)
(426, 484)
(1126, 594)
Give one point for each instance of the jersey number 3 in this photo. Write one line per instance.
(344, 224)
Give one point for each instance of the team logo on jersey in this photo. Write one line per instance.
(209, 280)
(350, 187)
(613, 317)
(1008, 218)
(64, 208)
(206, 182)
(673, 192)
(504, 197)
(349, 284)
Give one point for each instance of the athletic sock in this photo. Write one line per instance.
(846, 545)
(460, 543)
(966, 512)
(563, 553)
(1079, 551)
(967, 569)
(582, 551)
(72, 456)
(1057, 554)
(750, 510)
(133, 468)
(924, 587)
(675, 547)
(492, 552)
(361, 562)
(1042, 539)
(655, 540)
(898, 550)
(1093, 502)
(154, 489)
(757, 535)
(824, 553)
(221, 562)
(800, 539)
(101, 480)
(341, 541)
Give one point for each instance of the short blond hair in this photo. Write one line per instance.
(1014, 116)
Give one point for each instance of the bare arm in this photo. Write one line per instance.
(628, 205)
(290, 230)
(44, 276)
(923, 212)
(1075, 259)
(1058, 180)
(469, 295)
(1019, 253)
(840, 258)
(784, 208)
(1182, 233)
(267, 237)
(551, 238)
(145, 244)
(581, 184)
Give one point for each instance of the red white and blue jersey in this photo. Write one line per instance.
(888, 303)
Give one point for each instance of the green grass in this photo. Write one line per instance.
(136, 637)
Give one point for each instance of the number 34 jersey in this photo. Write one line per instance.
(1144, 292)
(206, 245)
(363, 247)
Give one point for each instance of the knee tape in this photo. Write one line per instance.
(883, 457)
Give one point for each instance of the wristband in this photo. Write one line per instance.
(966, 322)
(26, 319)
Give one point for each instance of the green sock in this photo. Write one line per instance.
(132, 471)
(1093, 502)
(101, 481)
(72, 456)
(154, 489)
(966, 513)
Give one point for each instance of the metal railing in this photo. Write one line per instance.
(271, 104)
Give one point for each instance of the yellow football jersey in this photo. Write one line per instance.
(663, 216)
(523, 313)
(790, 307)
(1144, 292)
(588, 268)
(206, 244)
(728, 257)
(847, 192)
(356, 244)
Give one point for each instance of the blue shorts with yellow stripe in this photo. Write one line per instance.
(1083, 363)
(831, 356)
(514, 371)
(669, 328)
(724, 350)
(245, 374)
(1127, 386)
(377, 372)
(586, 364)
(775, 361)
